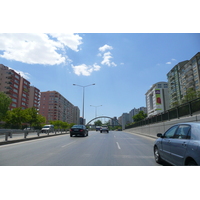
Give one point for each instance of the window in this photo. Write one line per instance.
(170, 132)
(14, 100)
(16, 81)
(165, 85)
(182, 132)
(14, 90)
(16, 76)
(16, 86)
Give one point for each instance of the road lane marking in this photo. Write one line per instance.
(118, 145)
(68, 144)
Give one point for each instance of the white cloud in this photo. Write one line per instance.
(85, 70)
(37, 48)
(23, 74)
(168, 63)
(106, 59)
(105, 47)
(70, 40)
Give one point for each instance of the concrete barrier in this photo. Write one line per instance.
(151, 130)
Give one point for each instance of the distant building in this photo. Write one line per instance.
(157, 99)
(114, 121)
(135, 111)
(82, 121)
(124, 119)
(56, 107)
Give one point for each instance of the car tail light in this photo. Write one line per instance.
(81, 129)
(70, 129)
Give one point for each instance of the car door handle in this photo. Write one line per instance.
(184, 144)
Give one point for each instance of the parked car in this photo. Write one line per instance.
(179, 145)
(47, 128)
(80, 130)
(104, 128)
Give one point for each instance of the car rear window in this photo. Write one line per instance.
(77, 126)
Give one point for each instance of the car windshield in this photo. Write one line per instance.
(78, 126)
(46, 126)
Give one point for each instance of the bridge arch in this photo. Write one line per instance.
(103, 117)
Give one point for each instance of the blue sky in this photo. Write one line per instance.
(123, 66)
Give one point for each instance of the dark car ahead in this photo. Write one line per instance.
(179, 145)
(79, 130)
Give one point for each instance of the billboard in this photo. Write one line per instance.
(158, 99)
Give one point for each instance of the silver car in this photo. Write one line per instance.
(179, 145)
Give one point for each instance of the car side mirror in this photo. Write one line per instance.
(159, 135)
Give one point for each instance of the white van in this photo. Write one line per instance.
(48, 129)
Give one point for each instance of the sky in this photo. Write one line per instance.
(123, 66)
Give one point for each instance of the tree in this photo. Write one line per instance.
(40, 120)
(59, 124)
(98, 123)
(15, 117)
(5, 102)
(140, 116)
(190, 95)
(30, 116)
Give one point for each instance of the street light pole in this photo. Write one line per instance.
(83, 96)
(96, 109)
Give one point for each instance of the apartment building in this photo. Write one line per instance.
(135, 111)
(173, 77)
(124, 119)
(76, 115)
(183, 76)
(190, 75)
(34, 97)
(18, 88)
(10, 84)
(55, 107)
(157, 99)
(24, 93)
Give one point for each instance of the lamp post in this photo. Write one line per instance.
(83, 96)
(95, 109)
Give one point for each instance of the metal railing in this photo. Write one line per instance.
(186, 109)
(8, 134)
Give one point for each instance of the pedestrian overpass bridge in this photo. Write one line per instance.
(116, 123)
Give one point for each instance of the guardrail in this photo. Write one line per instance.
(187, 109)
(6, 135)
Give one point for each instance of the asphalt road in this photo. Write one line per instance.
(116, 148)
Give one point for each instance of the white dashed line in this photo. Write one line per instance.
(68, 144)
(118, 145)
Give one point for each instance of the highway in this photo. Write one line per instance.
(116, 148)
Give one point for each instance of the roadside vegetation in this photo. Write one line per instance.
(18, 118)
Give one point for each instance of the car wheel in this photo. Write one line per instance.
(192, 163)
(157, 155)
(70, 135)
